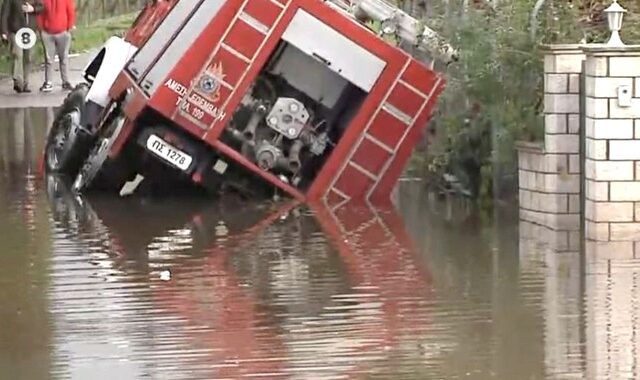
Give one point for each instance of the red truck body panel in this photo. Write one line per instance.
(235, 45)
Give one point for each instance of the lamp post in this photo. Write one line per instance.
(615, 13)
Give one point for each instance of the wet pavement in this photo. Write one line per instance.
(36, 99)
(99, 288)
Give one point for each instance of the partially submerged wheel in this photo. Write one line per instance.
(94, 166)
(67, 141)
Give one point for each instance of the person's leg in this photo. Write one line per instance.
(16, 64)
(63, 44)
(26, 69)
(49, 53)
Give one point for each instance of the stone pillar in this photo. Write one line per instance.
(612, 133)
(549, 173)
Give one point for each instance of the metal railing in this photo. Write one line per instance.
(398, 23)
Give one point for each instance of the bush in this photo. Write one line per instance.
(493, 96)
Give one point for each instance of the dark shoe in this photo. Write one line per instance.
(26, 89)
(67, 86)
(17, 88)
(46, 87)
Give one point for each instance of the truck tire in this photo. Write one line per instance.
(68, 142)
(90, 173)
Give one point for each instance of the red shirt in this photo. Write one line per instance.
(58, 16)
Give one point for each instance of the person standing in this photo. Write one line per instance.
(56, 22)
(14, 15)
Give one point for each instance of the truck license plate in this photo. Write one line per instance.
(168, 153)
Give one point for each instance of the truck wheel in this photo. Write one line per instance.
(91, 171)
(67, 141)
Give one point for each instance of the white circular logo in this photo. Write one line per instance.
(25, 38)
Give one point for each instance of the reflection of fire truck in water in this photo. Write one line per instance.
(252, 95)
(251, 306)
(340, 334)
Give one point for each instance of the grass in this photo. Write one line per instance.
(85, 38)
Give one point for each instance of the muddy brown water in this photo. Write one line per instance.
(102, 288)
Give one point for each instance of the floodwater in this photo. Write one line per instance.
(100, 288)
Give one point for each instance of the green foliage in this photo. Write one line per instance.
(494, 94)
(493, 97)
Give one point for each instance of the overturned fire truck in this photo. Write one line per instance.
(305, 96)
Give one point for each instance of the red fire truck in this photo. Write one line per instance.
(305, 96)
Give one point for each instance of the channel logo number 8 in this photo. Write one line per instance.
(25, 38)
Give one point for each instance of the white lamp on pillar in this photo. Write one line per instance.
(615, 13)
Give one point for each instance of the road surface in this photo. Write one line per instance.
(10, 99)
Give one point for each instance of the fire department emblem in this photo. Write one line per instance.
(211, 81)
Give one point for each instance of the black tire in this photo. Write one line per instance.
(67, 141)
(95, 165)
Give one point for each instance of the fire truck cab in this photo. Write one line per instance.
(306, 96)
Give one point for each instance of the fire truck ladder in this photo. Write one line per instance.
(396, 22)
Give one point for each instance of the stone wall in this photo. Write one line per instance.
(549, 172)
(610, 256)
(612, 146)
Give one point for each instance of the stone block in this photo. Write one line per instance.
(624, 231)
(596, 231)
(574, 203)
(533, 216)
(556, 83)
(534, 181)
(563, 63)
(596, 149)
(565, 222)
(522, 160)
(589, 209)
(573, 123)
(552, 203)
(596, 191)
(636, 129)
(523, 200)
(600, 251)
(521, 179)
(562, 183)
(609, 211)
(574, 164)
(637, 87)
(624, 66)
(596, 66)
(637, 212)
(599, 87)
(529, 161)
(596, 108)
(525, 180)
(562, 143)
(555, 123)
(562, 103)
(556, 163)
(624, 150)
(624, 191)
(536, 162)
(574, 83)
(617, 112)
(534, 200)
(554, 240)
(620, 129)
(637, 171)
(609, 170)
